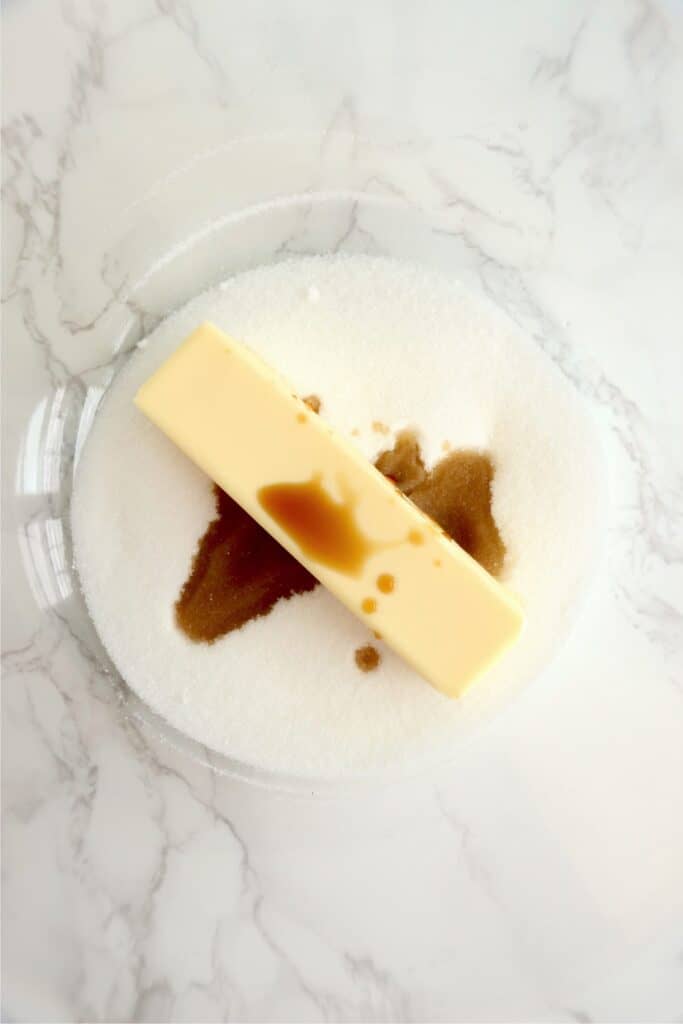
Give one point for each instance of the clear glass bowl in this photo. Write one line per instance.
(251, 202)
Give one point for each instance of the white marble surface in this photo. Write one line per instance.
(540, 878)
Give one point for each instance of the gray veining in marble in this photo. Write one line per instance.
(539, 878)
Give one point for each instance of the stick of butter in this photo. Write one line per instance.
(331, 509)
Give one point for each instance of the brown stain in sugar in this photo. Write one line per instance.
(456, 494)
(313, 403)
(239, 572)
(367, 658)
(403, 463)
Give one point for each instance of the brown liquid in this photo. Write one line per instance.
(456, 494)
(239, 572)
(403, 463)
(367, 658)
(324, 529)
(386, 583)
(313, 403)
(369, 605)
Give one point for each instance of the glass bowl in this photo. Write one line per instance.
(251, 202)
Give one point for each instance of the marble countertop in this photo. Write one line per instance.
(539, 877)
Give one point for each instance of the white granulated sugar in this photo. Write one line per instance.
(376, 340)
